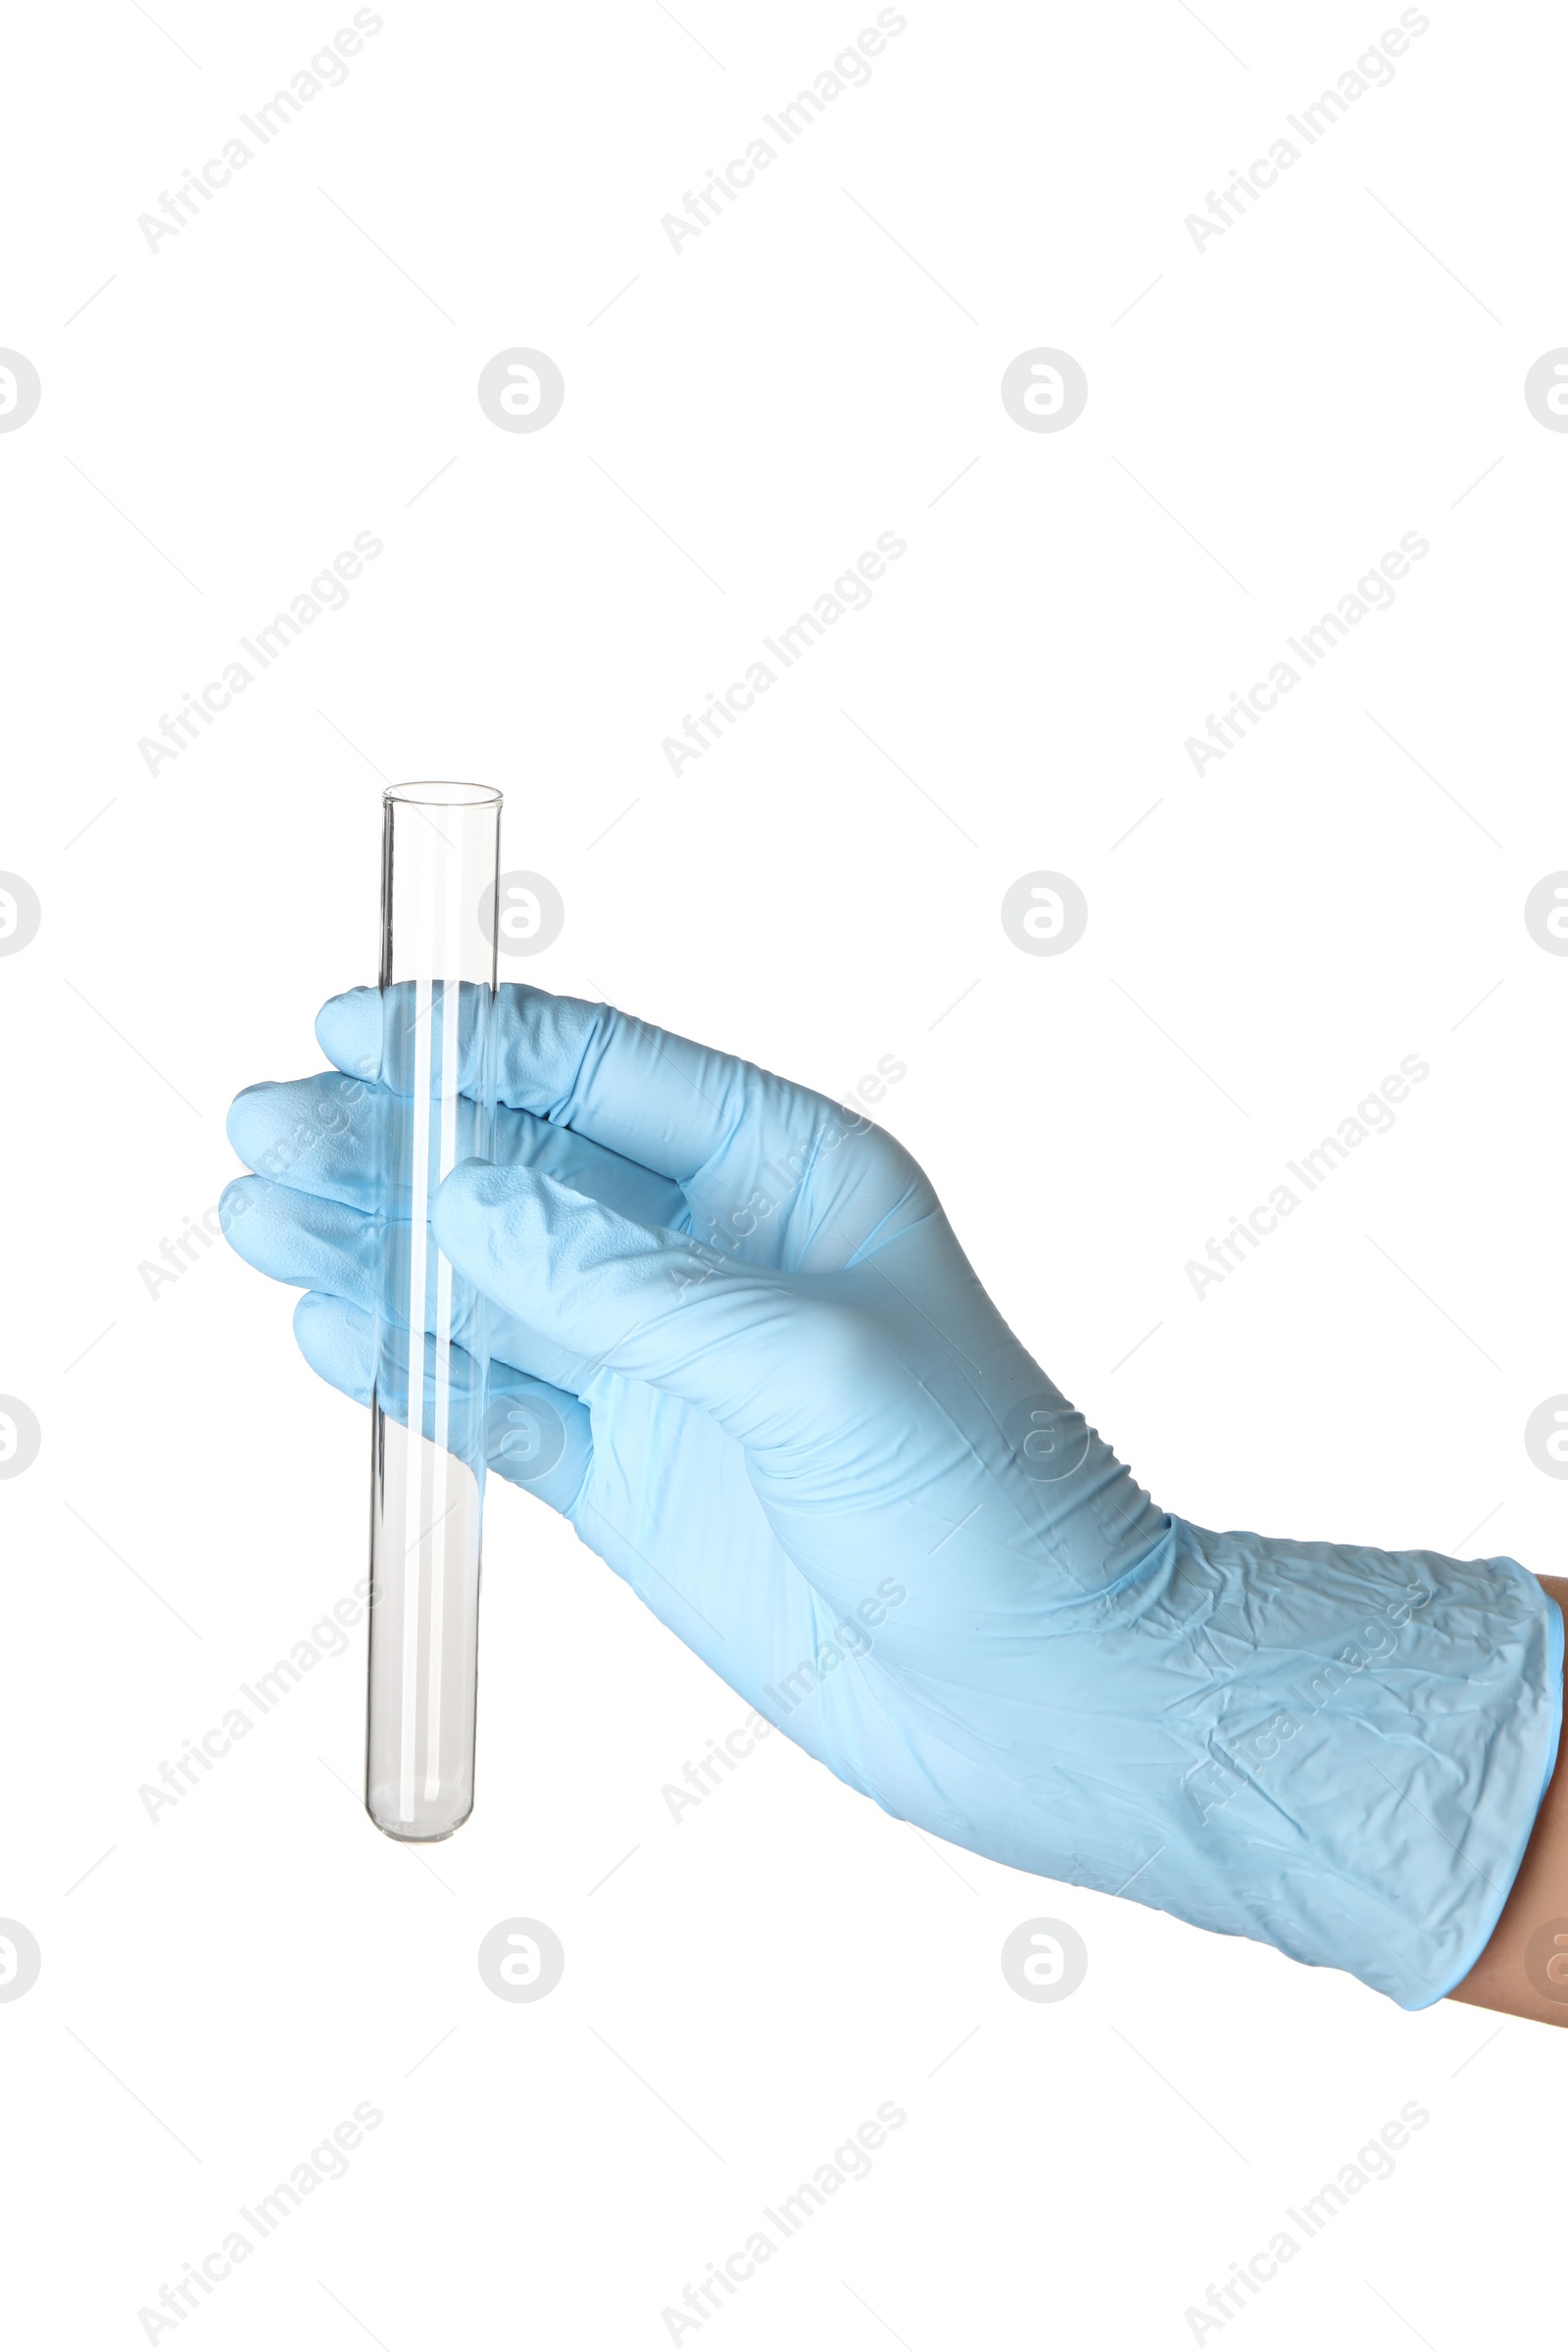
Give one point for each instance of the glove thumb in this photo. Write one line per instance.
(647, 1302)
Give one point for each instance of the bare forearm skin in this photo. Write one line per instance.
(1524, 1968)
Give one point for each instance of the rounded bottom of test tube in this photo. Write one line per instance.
(418, 1832)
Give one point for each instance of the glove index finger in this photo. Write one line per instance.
(392, 1037)
(665, 1101)
(348, 1030)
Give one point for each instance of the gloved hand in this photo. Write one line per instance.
(748, 1361)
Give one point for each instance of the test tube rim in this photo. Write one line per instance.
(443, 795)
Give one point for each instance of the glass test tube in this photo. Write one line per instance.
(439, 865)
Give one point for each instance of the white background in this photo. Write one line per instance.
(1343, 366)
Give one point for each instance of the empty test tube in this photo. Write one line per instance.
(440, 861)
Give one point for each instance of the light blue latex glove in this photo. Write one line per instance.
(736, 1342)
